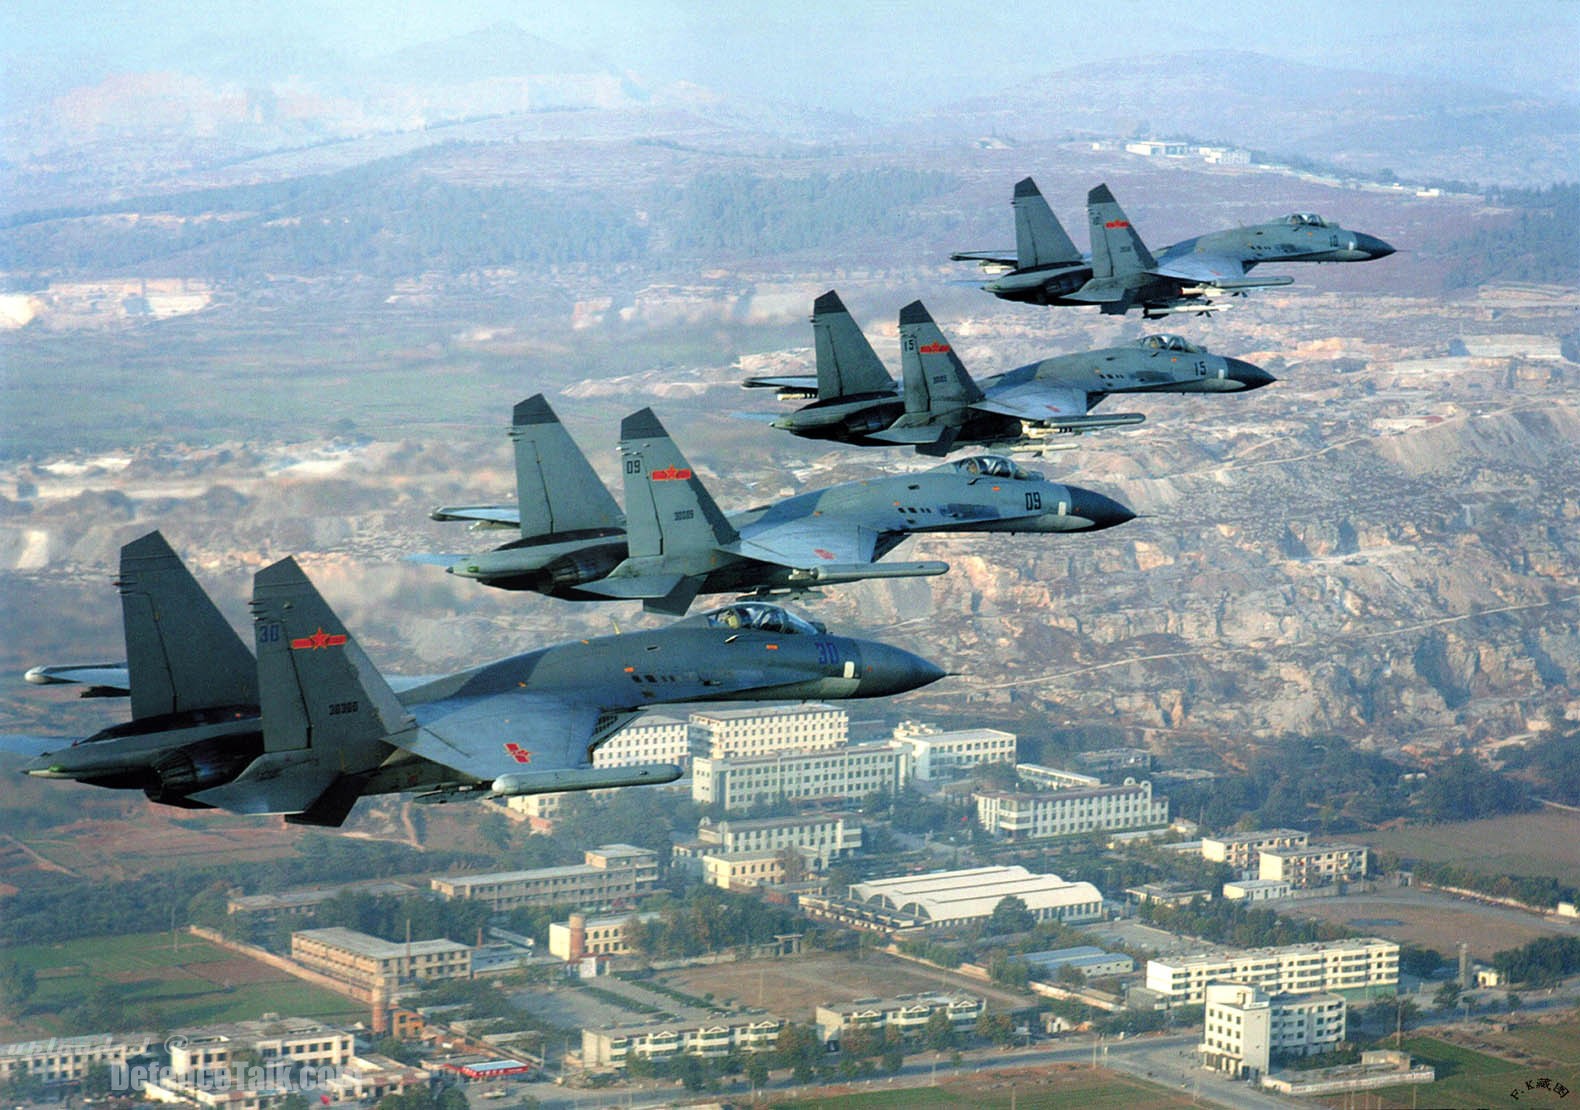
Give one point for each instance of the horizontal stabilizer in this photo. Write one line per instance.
(110, 678)
(635, 588)
(275, 782)
(505, 515)
(806, 383)
(433, 560)
(996, 258)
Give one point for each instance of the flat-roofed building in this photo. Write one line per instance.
(203, 1055)
(1115, 759)
(1241, 850)
(1314, 865)
(906, 1014)
(824, 836)
(937, 754)
(651, 738)
(67, 1059)
(612, 874)
(370, 965)
(1088, 959)
(1244, 1028)
(606, 935)
(1016, 815)
(709, 1036)
(1256, 890)
(852, 771)
(1354, 964)
(745, 870)
(304, 902)
(957, 897)
(1052, 778)
(731, 733)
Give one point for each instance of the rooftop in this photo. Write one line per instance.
(377, 947)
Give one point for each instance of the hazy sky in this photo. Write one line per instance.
(870, 58)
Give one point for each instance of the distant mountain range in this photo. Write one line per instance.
(218, 105)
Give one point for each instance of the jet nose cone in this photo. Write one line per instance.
(1102, 512)
(1249, 375)
(1373, 247)
(889, 670)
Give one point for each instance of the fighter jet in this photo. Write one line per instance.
(942, 408)
(310, 725)
(1121, 273)
(677, 543)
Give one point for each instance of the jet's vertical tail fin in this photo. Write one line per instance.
(935, 378)
(1117, 251)
(556, 487)
(319, 689)
(1040, 239)
(846, 362)
(667, 508)
(181, 654)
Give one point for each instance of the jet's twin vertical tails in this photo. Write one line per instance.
(181, 654)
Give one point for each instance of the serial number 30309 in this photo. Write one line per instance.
(340, 708)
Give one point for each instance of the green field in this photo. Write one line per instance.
(1064, 1090)
(158, 985)
(1469, 1078)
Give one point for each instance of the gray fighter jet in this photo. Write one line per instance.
(941, 408)
(1121, 274)
(675, 542)
(310, 725)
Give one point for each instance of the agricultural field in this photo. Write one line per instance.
(162, 980)
(1437, 921)
(1466, 1077)
(1054, 1088)
(1546, 842)
(796, 986)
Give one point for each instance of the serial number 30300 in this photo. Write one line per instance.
(341, 708)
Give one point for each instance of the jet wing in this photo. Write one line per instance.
(487, 514)
(509, 733)
(807, 542)
(1221, 271)
(1034, 402)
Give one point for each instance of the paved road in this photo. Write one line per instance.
(1158, 1059)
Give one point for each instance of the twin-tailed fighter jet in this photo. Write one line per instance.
(673, 542)
(309, 725)
(1121, 273)
(938, 407)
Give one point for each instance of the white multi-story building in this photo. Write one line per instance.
(824, 836)
(907, 1014)
(1013, 815)
(1358, 963)
(712, 1036)
(1244, 1028)
(937, 754)
(1052, 778)
(612, 874)
(1241, 850)
(67, 1059)
(837, 772)
(370, 966)
(1314, 865)
(957, 897)
(728, 733)
(651, 738)
(204, 1055)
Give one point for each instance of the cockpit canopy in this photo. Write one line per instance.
(1305, 219)
(992, 466)
(761, 617)
(1169, 343)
